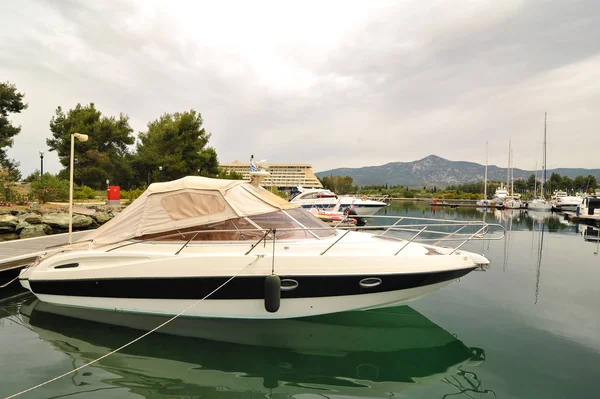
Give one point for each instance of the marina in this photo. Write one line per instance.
(466, 339)
(416, 224)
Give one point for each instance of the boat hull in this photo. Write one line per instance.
(246, 308)
(242, 297)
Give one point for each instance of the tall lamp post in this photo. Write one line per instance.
(82, 138)
(160, 170)
(41, 163)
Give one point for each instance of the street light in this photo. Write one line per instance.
(82, 138)
(41, 163)
(160, 169)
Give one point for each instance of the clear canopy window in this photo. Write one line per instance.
(289, 224)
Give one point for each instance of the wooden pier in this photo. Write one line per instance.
(593, 220)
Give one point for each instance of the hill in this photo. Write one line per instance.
(437, 171)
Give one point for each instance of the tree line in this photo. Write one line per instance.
(532, 185)
(172, 146)
(556, 182)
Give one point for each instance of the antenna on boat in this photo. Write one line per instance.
(257, 173)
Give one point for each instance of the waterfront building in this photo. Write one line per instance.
(284, 176)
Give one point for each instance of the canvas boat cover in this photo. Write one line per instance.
(187, 202)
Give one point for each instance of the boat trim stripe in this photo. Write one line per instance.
(242, 287)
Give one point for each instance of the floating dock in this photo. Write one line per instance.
(593, 220)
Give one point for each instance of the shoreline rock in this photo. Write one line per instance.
(38, 221)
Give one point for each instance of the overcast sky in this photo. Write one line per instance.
(332, 83)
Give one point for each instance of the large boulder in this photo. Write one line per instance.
(102, 217)
(35, 230)
(61, 220)
(56, 219)
(21, 225)
(82, 221)
(8, 221)
(32, 218)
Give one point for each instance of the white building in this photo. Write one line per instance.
(283, 175)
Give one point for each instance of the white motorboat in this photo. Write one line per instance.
(589, 206)
(501, 193)
(234, 250)
(324, 199)
(564, 202)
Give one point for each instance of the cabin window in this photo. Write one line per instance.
(227, 230)
(244, 229)
(188, 205)
(309, 220)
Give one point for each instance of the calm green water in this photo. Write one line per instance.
(529, 327)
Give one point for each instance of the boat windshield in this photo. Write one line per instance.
(251, 228)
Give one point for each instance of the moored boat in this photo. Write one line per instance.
(326, 200)
(231, 249)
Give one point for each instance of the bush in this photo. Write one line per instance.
(84, 192)
(50, 188)
(132, 194)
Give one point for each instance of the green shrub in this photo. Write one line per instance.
(132, 194)
(84, 192)
(50, 188)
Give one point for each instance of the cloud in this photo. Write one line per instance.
(334, 84)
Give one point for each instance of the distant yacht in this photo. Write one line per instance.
(321, 198)
(564, 202)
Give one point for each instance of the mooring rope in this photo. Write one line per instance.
(7, 284)
(138, 338)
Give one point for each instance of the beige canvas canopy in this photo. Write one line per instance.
(187, 202)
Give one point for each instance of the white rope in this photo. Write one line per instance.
(7, 284)
(140, 337)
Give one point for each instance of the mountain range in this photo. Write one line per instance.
(434, 170)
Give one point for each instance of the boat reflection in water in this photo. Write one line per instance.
(362, 353)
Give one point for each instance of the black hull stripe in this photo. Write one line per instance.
(246, 287)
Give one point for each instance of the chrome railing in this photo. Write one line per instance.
(423, 230)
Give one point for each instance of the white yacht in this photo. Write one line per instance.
(589, 206)
(564, 202)
(324, 199)
(500, 193)
(231, 249)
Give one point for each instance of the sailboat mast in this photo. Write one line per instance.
(508, 169)
(544, 158)
(535, 181)
(485, 177)
(512, 175)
